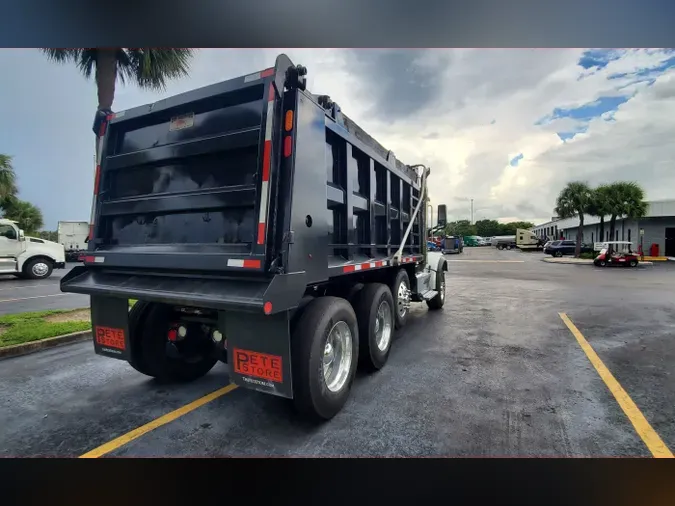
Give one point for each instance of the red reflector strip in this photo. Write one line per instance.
(89, 259)
(173, 335)
(266, 167)
(267, 154)
(267, 72)
(288, 146)
(261, 233)
(245, 263)
(97, 179)
(365, 266)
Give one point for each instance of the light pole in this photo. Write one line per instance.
(471, 211)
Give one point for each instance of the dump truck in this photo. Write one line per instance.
(257, 225)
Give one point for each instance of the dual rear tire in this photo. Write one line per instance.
(148, 330)
(330, 338)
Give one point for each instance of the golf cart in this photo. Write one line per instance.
(617, 253)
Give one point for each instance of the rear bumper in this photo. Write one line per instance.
(282, 292)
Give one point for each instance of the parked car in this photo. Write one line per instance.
(560, 248)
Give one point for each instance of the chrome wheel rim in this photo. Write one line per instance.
(40, 269)
(383, 326)
(337, 356)
(403, 298)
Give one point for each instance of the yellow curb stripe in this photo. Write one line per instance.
(158, 422)
(642, 426)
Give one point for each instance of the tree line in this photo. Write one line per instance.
(26, 214)
(485, 228)
(623, 199)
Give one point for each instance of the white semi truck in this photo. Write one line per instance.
(28, 257)
(73, 235)
(524, 240)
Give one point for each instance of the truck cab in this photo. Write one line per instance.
(27, 257)
(528, 240)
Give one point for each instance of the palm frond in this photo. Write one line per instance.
(151, 68)
(8, 185)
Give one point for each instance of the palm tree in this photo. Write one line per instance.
(627, 199)
(149, 68)
(26, 214)
(575, 200)
(7, 179)
(600, 208)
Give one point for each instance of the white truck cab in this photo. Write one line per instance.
(28, 257)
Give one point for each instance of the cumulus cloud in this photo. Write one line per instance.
(564, 114)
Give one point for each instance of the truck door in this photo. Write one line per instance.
(10, 247)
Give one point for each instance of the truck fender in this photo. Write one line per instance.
(23, 258)
(436, 263)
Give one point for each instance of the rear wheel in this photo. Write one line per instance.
(325, 349)
(374, 310)
(400, 290)
(633, 263)
(160, 358)
(500, 247)
(558, 254)
(439, 300)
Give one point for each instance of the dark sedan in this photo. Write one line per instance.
(560, 248)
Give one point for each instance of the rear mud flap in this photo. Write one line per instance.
(259, 351)
(110, 327)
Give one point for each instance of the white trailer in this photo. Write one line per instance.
(73, 235)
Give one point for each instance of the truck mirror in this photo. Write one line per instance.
(21, 235)
(442, 218)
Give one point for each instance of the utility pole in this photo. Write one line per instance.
(471, 211)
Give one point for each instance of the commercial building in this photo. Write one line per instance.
(658, 227)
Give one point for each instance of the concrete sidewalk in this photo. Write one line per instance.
(578, 261)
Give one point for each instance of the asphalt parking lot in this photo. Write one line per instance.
(23, 295)
(497, 373)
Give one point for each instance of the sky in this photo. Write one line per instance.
(504, 127)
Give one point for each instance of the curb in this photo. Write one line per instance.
(579, 262)
(18, 350)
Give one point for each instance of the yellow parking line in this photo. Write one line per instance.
(158, 422)
(644, 430)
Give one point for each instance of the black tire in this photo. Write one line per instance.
(558, 254)
(366, 307)
(439, 300)
(152, 359)
(311, 395)
(400, 319)
(31, 271)
(602, 263)
(633, 263)
(500, 247)
(137, 316)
